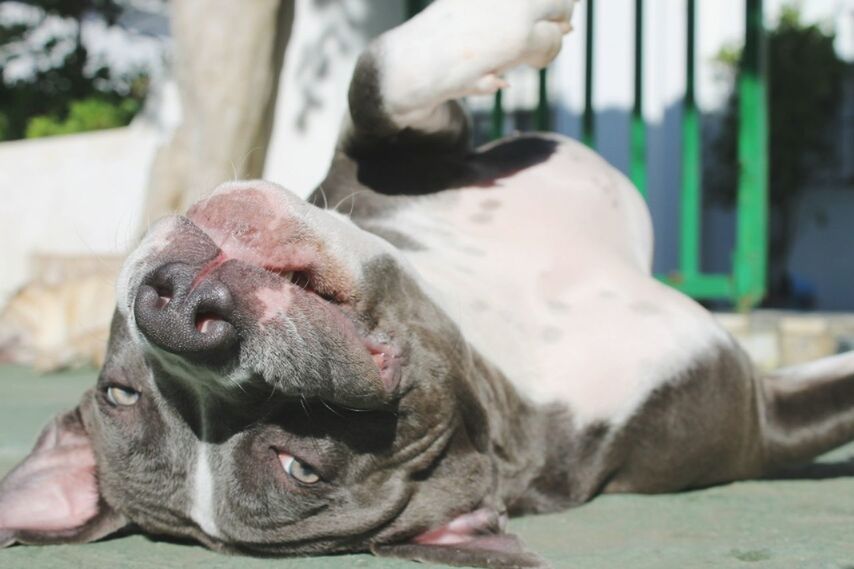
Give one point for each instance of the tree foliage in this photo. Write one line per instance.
(64, 95)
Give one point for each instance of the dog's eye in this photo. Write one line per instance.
(122, 396)
(297, 470)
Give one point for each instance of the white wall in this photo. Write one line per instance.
(77, 194)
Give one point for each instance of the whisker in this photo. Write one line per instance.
(323, 195)
(328, 406)
(350, 196)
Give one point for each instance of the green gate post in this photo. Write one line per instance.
(689, 278)
(752, 227)
(415, 6)
(637, 169)
(542, 119)
(690, 220)
(587, 127)
(497, 117)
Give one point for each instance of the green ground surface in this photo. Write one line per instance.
(793, 523)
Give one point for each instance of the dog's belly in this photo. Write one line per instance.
(547, 274)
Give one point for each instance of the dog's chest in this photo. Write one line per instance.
(546, 275)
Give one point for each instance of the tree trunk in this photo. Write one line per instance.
(227, 59)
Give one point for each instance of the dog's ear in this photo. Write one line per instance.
(471, 540)
(52, 496)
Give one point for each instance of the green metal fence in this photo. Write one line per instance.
(745, 285)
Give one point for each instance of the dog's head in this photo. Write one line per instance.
(277, 382)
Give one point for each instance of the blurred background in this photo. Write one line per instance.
(734, 117)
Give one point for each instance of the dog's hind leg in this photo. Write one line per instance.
(405, 84)
(808, 410)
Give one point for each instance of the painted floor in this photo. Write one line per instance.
(799, 523)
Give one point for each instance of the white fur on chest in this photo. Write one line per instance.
(547, 275)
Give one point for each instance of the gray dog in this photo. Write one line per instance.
(480, 337)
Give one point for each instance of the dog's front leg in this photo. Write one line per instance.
(409, 78)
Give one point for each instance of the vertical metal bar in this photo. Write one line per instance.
(752, 225)
(587, 121)
(542, 119)
(497, 130)
(638, 128)
(689, 247)
(415, 6)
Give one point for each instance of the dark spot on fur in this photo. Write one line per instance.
(490, 204)
(558, 306)
(407, 162)
(644, 307)
(551, 334)
(473, 251)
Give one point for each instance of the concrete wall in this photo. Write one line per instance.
(78, 194)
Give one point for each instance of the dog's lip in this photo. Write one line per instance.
(384, 351)
(389, 360)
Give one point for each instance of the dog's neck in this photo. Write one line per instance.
(529, 444)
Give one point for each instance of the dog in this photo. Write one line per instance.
(478, 337)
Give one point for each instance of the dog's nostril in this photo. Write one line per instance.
(205, 322)
(189, 318)
(163, 299)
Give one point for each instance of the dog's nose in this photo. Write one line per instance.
(185, 317)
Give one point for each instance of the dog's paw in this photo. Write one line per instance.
(467, 44)
(551, 20)
(456, 48)
(495, 35)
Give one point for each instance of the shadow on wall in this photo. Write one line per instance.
(347, 28)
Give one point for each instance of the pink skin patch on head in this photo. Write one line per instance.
(259, 229)
(250, 226)
(274, 301)
(388, 361)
